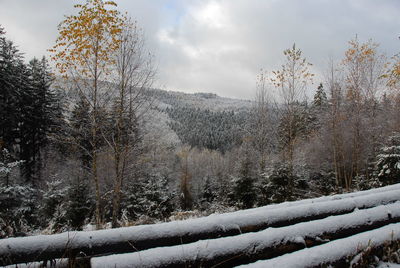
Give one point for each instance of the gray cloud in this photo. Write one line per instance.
(219, 46)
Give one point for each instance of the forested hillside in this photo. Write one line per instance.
(87, 141)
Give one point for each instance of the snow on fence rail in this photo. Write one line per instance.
(130, 239)
(250, 247)
(335, 253)
(323, 198)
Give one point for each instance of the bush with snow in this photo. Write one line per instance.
(388, 162)
(18, 210)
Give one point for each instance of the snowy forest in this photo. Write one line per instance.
(88, 142)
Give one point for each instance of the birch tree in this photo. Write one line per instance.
(261, 123)
(291, 81)
(84, 53)
(363, 66)
(134, 74)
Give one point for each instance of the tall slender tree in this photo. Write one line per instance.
(42, 116)
(84, 52)
(363, 66)
(262, 128)
(134, 73)
(291, 81)
(11, 63)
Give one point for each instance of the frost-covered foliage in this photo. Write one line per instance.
(65, 207)
(322, 182)
(210, 193)
(294, 124)
(244, 193)
(213, 196)
(363, 182)
(274, 186)
(280, 184)
(7, 165)
(53, 198)
(18, 210)
(80, 204)
(388, 163)
(149, 197)
(18, 203)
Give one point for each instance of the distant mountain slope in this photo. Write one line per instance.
(202, 120)
(208, 101)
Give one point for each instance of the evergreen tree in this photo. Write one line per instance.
(318, 109)
(158, 198)
(53, 208)
(27, 125)
(320, 98)
(80, 204)
(148, 197)
(275, 186)
(323, 182)
(7, 165)
(41, 117)
(388, 162)
(11, 63)
(244, 191)
(27, 108)
(18, 210)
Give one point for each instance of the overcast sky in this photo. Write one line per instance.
(220, 46)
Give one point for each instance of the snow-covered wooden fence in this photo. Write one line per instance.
(224, 240)
(250, 247)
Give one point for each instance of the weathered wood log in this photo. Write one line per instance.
(250, 247)
(131, 239)
(336, 253)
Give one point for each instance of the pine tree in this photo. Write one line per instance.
(80, 203)
(320, 98)
(157, 197)
(147, 197)
(41, 117)
(7, 167)
(27, 108)
(244, 191)
(388, 162)
(27, 125)
(318, 109)
(275, 185)
(53, 208)
(18, 210)
(11, 63)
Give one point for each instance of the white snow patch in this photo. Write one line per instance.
(332, 251)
